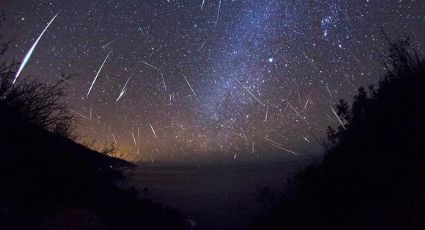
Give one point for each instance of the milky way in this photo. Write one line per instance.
(213, 79)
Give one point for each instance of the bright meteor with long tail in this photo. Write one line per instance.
(31, 50)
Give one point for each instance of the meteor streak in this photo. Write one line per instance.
(277, 145)
(31, 50)
(153, 131)
(306, 103)
(79, 114)
(267, 114)
(150, 65)
(193, 91)
(134, 139)
(336, 115)
(200, 48)
(123, 89)
(258, 100)
(97, 74)
(305, 138)
(163, 82)
(329, 91)
(103, 47)
(218, 12)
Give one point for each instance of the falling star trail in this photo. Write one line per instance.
(97, 74)
(123, 89)
(193, 91)
(31, 50)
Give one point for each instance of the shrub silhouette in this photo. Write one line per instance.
(37, 104)
(50, 182)
(373, 173)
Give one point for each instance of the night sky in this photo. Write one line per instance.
(214, 79)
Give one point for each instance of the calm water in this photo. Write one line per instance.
(214, 196)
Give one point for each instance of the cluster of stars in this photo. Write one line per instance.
(180, 79)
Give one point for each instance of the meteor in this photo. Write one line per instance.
(153, 131)
(79, 114)
(279, 146)
(123, 89)
(329, 91)
(150, 65)
(306, 103)
(103, 47)
(134, 139)
(244, 136)
(305, 138)
(245, 88)
(163, 82)
(97, 74)
(202, 45)
(267, 113)
(298, 91)
(31, 50)
(218, 12)
(193, 91)
(336, 115)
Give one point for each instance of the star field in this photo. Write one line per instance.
(193, 79)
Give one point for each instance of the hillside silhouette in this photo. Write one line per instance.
(372, 175)
(50, 182)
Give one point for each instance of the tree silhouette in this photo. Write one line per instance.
(50, 182)
(33, 102)
(372, 175)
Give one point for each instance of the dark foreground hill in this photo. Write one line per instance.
(373, 173)
(47, 181)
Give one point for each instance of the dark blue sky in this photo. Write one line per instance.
(233, 79)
